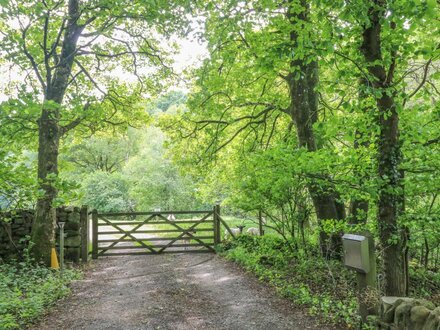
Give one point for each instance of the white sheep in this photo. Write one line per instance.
(235, 231)
(171, 217)
(253, 231)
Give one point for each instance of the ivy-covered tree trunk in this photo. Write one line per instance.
(389, 154)
(49, 136)
(302, 82)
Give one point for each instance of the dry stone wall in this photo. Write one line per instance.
(16, 226)
(408, 314)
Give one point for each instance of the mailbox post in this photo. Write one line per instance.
(359, 255)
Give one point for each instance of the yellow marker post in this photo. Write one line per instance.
(54, 260)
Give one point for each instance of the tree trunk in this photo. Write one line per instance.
(436, 258)
(389, 155)
(388, 206)
(43, 229)
(426, 258)
(304, 113)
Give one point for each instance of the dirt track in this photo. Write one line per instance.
(173, 291)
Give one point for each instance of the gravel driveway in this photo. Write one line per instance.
(173, 291)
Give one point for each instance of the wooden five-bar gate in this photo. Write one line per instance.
(138, 233)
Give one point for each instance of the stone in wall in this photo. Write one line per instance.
(15, 228)
(72, 239)
(433, 320)
(399, 313)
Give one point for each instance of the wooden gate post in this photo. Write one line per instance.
(84, 223)
(217, 239)
(95, 234)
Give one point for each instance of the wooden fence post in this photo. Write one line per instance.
(84, 223)
(95, 234)
(217, 238)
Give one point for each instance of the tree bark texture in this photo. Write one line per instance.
(43, 229)
(304, 112)
(389, 155)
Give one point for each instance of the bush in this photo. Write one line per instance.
(28, 289)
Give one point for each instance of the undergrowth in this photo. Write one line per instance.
(425, 284)
(28, 289)
(324, 286)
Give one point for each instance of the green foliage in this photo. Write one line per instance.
(106, 192)
(233, 137)
(167, 103)
(131, 170)
(99, 153)
(27, 290)
(425, 284)
(238, 137)
(17, 188)
(155, 182)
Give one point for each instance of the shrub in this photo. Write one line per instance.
(28, 289)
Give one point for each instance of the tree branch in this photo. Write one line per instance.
(31, 58)
(425, 75)
(74, 123)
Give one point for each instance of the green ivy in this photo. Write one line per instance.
(28, 289)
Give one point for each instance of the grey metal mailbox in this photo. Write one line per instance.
(356, 255)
